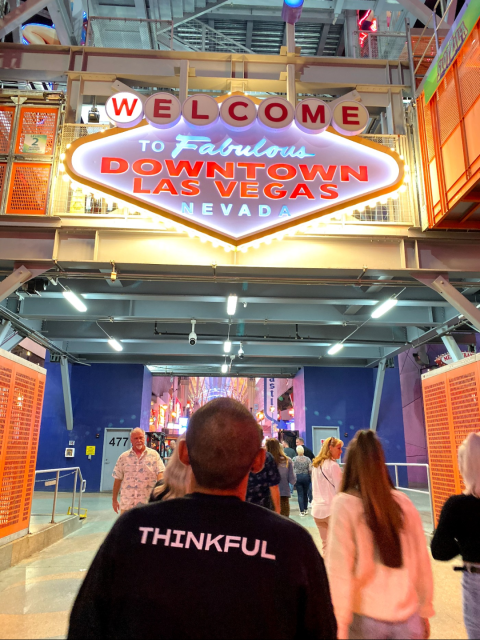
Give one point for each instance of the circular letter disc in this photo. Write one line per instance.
(200, 110)
(312, 115)
(163, 110)
(276, 113)
(350, 118)
(238, 112)
(124, 109)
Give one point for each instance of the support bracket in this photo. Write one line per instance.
(382, 365)
(67, 396)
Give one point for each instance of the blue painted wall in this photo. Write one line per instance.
(103, 395)
(343, 397)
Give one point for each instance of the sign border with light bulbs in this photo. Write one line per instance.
(225, 109)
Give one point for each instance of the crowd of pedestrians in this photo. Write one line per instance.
(213, 546)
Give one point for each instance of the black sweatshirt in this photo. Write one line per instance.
(458, 530)
(205, 566)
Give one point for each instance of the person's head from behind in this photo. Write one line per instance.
(300, 450)
(137, 438)
(365, 472)
(300, 442)
(275, 448)
(223, 443)
(469, 463)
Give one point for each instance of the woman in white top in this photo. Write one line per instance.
(326, 479)
(377, 559)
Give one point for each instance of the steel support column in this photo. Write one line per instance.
(442, 286)
(67, 396)
(452, 348)
(13, 281)
(4, 329)
(378, 394)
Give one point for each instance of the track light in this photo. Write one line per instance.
(74, 300)
(115, 344)
(383, 308)
(232, 304)
(335, 348)
(227, 346)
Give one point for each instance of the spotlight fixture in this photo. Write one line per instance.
(94, 114)
(241, 352)
(384, 307)
(115, 344)
(335, 348)
(113, 275)
(74, 300)
(232, 304)
(227, 346)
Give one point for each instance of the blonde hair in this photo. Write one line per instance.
(469, 463)
(325, 453)
(176, 479)
(300, 450)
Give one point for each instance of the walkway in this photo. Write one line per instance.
(36, 595)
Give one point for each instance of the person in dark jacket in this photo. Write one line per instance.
(458, 532)
(224, 563)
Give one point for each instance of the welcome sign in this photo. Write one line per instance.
(239, 171)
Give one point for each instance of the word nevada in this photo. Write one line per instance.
(164, 110)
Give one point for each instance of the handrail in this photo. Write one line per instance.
(435, 32)
(397, 484)
(83, 484)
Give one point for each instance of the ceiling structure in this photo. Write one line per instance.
(281, 327)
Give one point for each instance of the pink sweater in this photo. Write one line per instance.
(359, 583)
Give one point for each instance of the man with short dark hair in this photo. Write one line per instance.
(230, 569)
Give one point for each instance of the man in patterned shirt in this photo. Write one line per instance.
(136, 472)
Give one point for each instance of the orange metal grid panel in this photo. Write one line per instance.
(3, 173)
(28, 188)
(464, 400)
(37, 120)
(21, 396)
(7, 115)
(439, 439)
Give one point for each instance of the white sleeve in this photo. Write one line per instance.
(337, 475)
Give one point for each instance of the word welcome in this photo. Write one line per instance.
(164, 110)
(205, 542)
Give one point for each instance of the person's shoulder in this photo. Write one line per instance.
(461, 501)
(152, 452)
(124, 455)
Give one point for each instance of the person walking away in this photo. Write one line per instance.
(225, 563)
(377, 559)
(176, 480)
(287, 475)
(135, 473)
(303, 468)
(263, 487)
(288, 451)
(309, 453)
(458, 532)
(326, 479)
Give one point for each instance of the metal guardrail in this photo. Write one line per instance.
(381, 45)
(83, 483)
(129, 33)
(397, 483)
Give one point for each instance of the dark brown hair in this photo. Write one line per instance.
(223, 439)
(365, 472)
(274, 447)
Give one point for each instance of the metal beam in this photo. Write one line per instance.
(62, 19)
(442, 286)
(12, 342)
(377, 396)
(323, 39)
(452, 348)
(4, 329)
(19, 15)
(418, 9)
(67, 396)
(13, 281)
(199, 12)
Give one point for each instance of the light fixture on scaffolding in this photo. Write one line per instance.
(73, 299)
(113, 343)
(94, 113)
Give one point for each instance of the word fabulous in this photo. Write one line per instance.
(164, 110)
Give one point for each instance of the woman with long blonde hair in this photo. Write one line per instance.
(377, 558)
(176, 479)
(287, 475)
(458, 532)
(326, 478)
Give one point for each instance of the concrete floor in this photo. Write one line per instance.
(36, 595)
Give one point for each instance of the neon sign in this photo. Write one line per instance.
(231, 175)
